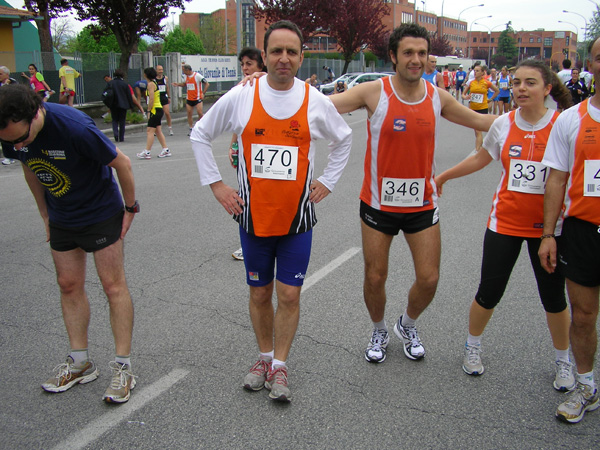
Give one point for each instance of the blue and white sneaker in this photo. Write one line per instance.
(413, 349)
(376, 350)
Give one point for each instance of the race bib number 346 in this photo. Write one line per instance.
(403, 192)
(274, 162)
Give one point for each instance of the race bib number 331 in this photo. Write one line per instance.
(274, 162)
(402, 192)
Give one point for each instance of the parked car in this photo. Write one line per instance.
(327, 88)
(363, 78)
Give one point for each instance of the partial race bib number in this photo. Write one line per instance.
(476, 98)
(190, 86)
(402, 192)
(528, 177)
(274, 162)
(503, 85)
(591, 178)
(162, 88)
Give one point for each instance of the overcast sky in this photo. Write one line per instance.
(524, 14)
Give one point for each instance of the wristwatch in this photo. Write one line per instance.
(135, 208)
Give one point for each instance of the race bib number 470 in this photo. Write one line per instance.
(274, 162)
(591, 178)
(403, 192)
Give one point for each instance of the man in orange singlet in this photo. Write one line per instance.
(399, 191)
(573, 155)
(196, 86)
(277, 122)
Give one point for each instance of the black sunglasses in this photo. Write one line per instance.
(19, 140)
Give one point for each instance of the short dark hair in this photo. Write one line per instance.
(150, 73)
(566, 64)
(18, 102)
(407, 30)
(590, 46)
(285, 25)
(33, 65)
(119, 73)
(252, 53)
(63, 61)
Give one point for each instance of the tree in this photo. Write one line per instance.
(62, 31)
(507, 46)
(187, 43)
(127, 20)
(593, 30)
(48, 10)
(356, 23)
(309, 15)
(89, 41)
(440, 45)
(214, 36)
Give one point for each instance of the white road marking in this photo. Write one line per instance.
(323, 272)
(105, 422)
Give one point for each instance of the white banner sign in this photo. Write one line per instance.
(213, 68)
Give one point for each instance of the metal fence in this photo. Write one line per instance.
(94, 66)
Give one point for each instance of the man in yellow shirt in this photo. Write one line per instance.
(67, 83)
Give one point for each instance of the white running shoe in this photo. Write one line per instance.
(413, 348)
(144, 155)
(165, 153)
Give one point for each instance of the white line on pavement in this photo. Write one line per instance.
(323, 272)
(102, 424)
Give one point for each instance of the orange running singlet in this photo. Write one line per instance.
(276, 172)
(399, 162)
(518, 205)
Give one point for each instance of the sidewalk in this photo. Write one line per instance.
(176, 117)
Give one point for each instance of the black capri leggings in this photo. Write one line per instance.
(500, 253)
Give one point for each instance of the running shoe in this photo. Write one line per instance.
(144, 155)
(472, 361)
(68, 375)
(238, 254)
(564, 380)
(165, 153)
(8, 161)
(580, 400)
(121, 384)
(170, 131)
(376, 350)
(255, 379)
(190, 132)
(413, 349)
(277, 383)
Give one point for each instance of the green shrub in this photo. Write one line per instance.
(132, 118)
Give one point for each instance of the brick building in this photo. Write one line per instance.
(546, 45)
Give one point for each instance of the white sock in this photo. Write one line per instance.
(586, 378)
(277, 363)
(79, 356)
(380, 325)
(474, 340)
(123, 360)
(562, 355)
(166, 149)
(268, 355)
(407, 321)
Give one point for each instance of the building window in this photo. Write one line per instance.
(474, 39)
(567, 40)
(407, 17)
(483, 40)
(492, 40)
(548, 42)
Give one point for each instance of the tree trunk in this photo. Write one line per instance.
(45, 36)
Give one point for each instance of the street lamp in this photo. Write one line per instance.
(475, 6)
(585, 32)
(576, 32)
(471, 30)
(489, 41)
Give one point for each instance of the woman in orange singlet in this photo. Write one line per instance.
(518, 140)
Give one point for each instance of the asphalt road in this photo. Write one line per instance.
(193, 342)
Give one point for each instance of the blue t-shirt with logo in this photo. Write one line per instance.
(70, 157)
(461, 76)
